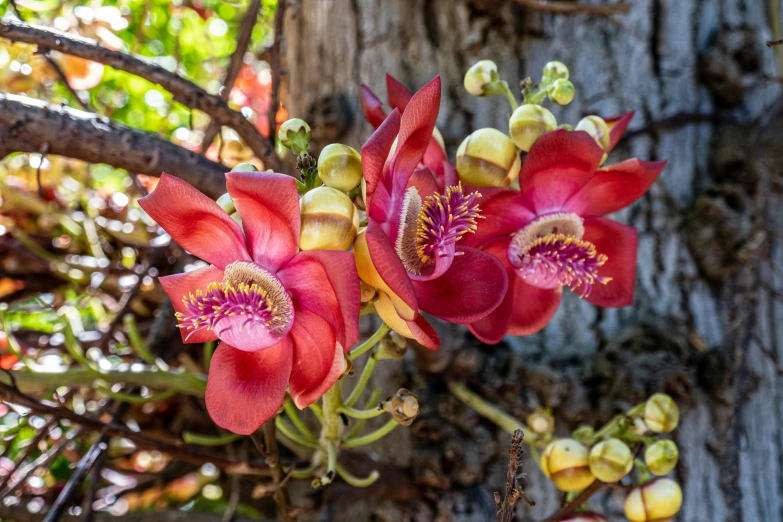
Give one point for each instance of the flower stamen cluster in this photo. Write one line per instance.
(444, 219)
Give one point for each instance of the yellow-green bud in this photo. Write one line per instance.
(226, 203)
(294, 134)
(562, 92)
(541, 422)
(658, 500)
(596, 127)
(565, 462)
(479, 76)
(555, 71)
(488, 158)
(661, 413)
(611, 460)
(340, 167)
(528, 123)
(244, 167)
(330, 221)
(661, 457)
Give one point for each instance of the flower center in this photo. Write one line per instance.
(249, 296)
(550, 253)
(430, 229)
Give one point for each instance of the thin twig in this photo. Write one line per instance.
(773, 43)
(505, 507)
(560, 7)
(43, 432)
(270, 452)
(275, 66)
(580, 499)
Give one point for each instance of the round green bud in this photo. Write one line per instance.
(661, 457)
(611, 460)
(565, 462)
(294, 134)
(528, 123)
(340, 167)
(330, 220)
(245, 167)
(226, 203)
(555, 71)
(562, 92)
(479, 76)
(596, 127)
(658, 500)
(661, 413)
(488, 158)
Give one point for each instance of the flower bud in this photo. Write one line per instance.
(661, 414)
(528, 123)
(611, 460)
(294, 134)
(596, 127)
(565, 462)
(329, 220)
(488, 158)
(244, 167)
(661, 457)
(555, 71)
(393, 346)
(368, 292)
(340, 167)
(404, 406)
(226, 203)
(585, 517)
(479, 76)
(658, 500)
(541, 422)
(562, 92)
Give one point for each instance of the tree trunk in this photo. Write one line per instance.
(704, 323)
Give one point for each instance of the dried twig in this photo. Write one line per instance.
(773, 43)
(505, 507)
(560, 7)
(270, 452)
(575, 503)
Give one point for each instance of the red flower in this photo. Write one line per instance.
(284, 317)
(409, 249)
(435, 155)
(551, 233)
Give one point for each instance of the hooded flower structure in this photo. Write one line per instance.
(284, 317)
(551, 233)
(409, 251)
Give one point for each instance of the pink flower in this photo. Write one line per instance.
(551, 234)
(409, 249)
(284, 317)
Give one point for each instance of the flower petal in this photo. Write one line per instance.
(424, 181)
(178, 286)
(376, 151)
(195, 222)
(397, 94)
(505, 212)
(424, 333)
(618, 242)
(617, 126)
(615, 187)
(492, 328)
(318, 358)
(418, 329)
(557, 166)
(268, 204)
(533, 307)
(372, 106)
(386, 263)
(245, 389)
(326, 283)
(469, 290)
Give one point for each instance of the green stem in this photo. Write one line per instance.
(317, 411)
(209, 349)
(134, 399)
(361, 414)
(286, 430)
(369, 367)
(643, 471)
(72, 345)
(293, 414)
(15, 347)
(485, 409)
(332, 401)
(331, 463)
(373, 436)
(357, 428)
(512, 100)
(209, 440)
(369, 343)
(356, 481)
(301, 473)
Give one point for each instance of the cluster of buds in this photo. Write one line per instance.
(403, 406)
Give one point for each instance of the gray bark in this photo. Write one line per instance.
(703, 326)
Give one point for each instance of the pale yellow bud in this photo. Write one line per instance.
(541, 422)
(562, 92)
(330, 221)
(661, 413)
(479, 76)
(611, 460)
(488, 158)
(661, 457)
(340, 167)
(596, 127)
(528, 123)
(657, 501)
(565, 462)
(226, 203)
(556, 70)
(294, 134)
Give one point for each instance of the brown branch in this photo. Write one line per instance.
(271, 453)
(19, 513)
(575, 503)
(505, 507)
(28, 125)
(234, 66)
(560, 7)
(773, 43)
(175, 449)
(182, 90)
(275, 65)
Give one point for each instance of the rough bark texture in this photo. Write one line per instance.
(704, 327)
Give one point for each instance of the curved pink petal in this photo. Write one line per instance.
(397, 94)
(195, 222)
(388, 265)
(424, 333)
(450, 175)
(245, 389)
(469, 290)
(179, 286)
(424, 181)
(268, 204)
(533, 307)
(435, 158)
(318, 358)
(617, 126)
(376, 151)
(618, 242)
(326, 283)
(615, 187)
(372, 107)
(492, 328)
(505, 212)
(556, 167)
